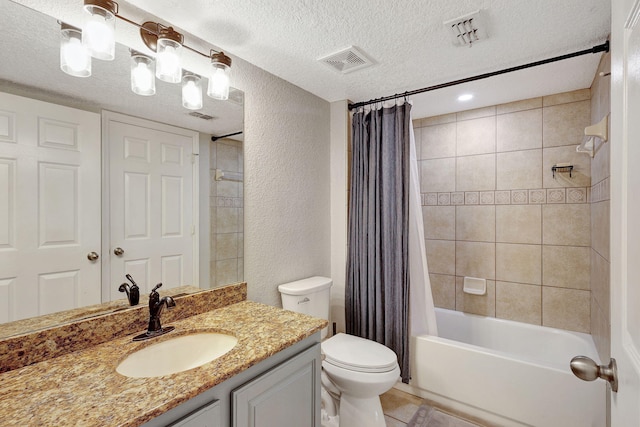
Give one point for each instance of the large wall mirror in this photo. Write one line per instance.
(30, 75)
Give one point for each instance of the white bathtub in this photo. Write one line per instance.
(506, 373)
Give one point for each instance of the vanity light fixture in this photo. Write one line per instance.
(74, 56)
(191, 91)
(219, 78)
(98, 33)
(98, 39)
(143, 81)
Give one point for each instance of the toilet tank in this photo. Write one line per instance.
(308, 296)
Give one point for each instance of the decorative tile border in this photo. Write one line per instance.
(600, 191)
(536, 196)
(471, 198)
(457, 198)
(555, 195)
(503, 197)
(230, 202)
(576, 195)
(519, 197)
(487, 197)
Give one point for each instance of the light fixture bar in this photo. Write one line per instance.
(155, 32)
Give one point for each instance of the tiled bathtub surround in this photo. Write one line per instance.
(226, 204)
(492, 209)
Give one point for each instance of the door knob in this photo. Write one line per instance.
(588, 370)
(92, 256)
(118, 251)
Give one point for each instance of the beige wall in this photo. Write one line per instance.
(287, 224)
(492, 209)
(599, 251)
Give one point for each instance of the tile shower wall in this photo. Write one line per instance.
(226, 204)
(493, 209)
(599, 251)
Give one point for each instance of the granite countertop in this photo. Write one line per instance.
(83, 387)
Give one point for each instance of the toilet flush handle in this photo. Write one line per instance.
(302, 301)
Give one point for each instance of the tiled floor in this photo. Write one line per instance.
(399, 407)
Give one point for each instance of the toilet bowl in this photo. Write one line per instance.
(361, 370)
(355, 371)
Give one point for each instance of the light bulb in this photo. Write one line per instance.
(168, 66)
(191, 92)
(219, 80)
(143, 80)
(219, 84)
(98, 33)
(74, 57)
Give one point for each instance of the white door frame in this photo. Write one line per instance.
(108, 116)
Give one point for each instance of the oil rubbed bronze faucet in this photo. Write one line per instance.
(156, 304)
(133, 291)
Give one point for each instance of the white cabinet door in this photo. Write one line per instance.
(286, 396)
(207, 416)
(49, 207)
(153, 204)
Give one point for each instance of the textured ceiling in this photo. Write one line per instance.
(406, 39)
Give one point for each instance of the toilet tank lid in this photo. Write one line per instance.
(305, 286)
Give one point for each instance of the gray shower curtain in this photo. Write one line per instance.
(377, 288)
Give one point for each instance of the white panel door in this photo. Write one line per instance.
(625, 211)
(152, 202)
(49, 207)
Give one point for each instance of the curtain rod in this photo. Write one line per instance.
(215, 138)
(604, 47)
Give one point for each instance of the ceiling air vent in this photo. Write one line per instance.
(467, 30)
(347, 60)
(200, 115)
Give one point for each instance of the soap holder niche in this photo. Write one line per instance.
(474, 286)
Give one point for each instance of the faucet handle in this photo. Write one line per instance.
(156, 287)
(129, 278)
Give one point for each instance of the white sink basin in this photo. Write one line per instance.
(177, 354)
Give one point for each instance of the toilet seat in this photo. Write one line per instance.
(358, 354)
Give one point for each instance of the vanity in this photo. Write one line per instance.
(271, 377)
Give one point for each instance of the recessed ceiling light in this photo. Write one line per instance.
(465, 97)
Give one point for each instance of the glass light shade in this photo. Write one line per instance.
(143, 80)
(98, 33)
(168, 67)
(74, 57)
(191, 92)
(219, 81)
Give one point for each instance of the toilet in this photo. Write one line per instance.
(355, 371)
